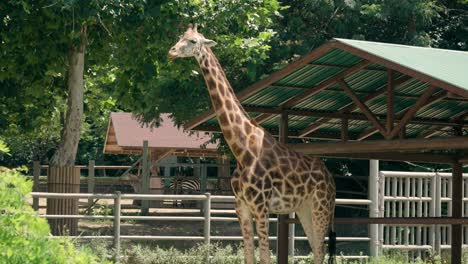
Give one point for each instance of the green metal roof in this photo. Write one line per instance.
(416, 68)
(450, 66)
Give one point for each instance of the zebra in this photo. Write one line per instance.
(185, 185)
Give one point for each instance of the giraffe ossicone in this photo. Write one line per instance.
(270, 177)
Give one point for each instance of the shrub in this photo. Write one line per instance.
(24, 236)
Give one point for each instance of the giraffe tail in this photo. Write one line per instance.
(331, 244)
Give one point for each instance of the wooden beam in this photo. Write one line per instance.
(378, 146)
(397, 156)
(433, 130)
(422, 101)
(344, 129)
(362, 106)
(402, 133)
(263, 118)
(161, 155)
(405, 70)
(351, 106)
(390, 100)
(112, 148)
(301, 97)
(403, 112)
(316, 53)
(350, 116)
(463, 160)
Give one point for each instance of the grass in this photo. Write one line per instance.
(133, 253)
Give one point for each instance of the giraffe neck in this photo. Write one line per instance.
(232, 118)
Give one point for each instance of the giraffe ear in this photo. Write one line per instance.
(209, 43)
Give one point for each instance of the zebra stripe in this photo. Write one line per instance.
(185, 184)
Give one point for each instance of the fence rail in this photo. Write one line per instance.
(419, 195)
(207, 219)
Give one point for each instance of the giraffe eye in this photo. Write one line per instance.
(193, 41)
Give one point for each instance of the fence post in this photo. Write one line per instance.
(373, 190)
(145, 179)
(203, 178)
(292, 228)
(91, 181)
(36, 174)
(117, 207)
(207, 215)
(381, 208)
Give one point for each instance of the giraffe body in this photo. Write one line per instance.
(270, 177)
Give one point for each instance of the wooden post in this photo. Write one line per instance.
(203, 178)
(373, 190)
(63, 180)
(344, 129)
(145, 178)
(457, 205)
(91, 180)
(390, 100)
(117, 207)
(438, 212)
(282, 227)
(36, 174)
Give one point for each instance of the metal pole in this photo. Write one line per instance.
(36, 174)
(292, 229)
(145, 178)
(117, 226)
(373, 190)
(91, 179)
(381, 208)
(207, 215)
(282, 226)
(457, 201)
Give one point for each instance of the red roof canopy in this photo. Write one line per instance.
(125, 135)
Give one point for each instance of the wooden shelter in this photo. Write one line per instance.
(125, 135)
(368, 100)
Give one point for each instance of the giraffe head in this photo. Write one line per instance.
(190, 44)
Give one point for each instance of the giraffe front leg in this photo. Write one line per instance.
(246, 225)
(262, 224)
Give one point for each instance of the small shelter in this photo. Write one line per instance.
(125, 135)
(368, 100)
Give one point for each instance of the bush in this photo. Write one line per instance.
(24, 236)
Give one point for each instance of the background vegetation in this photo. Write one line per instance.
(24, 236)
(126, 69)
(127, 41)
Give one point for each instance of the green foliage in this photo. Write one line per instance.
(196, 255)
(4, 149)
(24, 236)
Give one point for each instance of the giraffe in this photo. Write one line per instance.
(270, 177)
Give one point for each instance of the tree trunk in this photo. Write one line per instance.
(62, 176)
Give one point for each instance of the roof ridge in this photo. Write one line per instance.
(343, 40)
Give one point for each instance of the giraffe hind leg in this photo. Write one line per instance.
(315, 223)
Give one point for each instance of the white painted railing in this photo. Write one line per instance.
(207, 199)
(418, 194)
